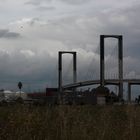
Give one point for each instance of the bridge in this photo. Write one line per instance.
(96, 82)
(107, 82)
(119, 81)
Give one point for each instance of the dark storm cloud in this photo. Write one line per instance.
(5, 33)
(77, 33)
(27, 66)
(127, 23)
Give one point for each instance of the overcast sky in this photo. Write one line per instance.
(33, 31)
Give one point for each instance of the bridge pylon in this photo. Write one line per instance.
(120, 60)
(60, 67)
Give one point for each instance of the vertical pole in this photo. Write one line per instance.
(120, 47)
(74, 68)
(129, 92)
(20, 92)
(102, 60)
(74, 74)
(60, 71)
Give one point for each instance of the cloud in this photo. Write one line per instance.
(75, 2)
(37, 2)
(46, 8)
(34, 56)
(27, 66)
(5, 33)
(42, 5)
(81, 34)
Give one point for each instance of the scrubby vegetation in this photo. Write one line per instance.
(22, 122)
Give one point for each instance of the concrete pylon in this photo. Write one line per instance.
(120, 60)
(129, 92)
(60, 68)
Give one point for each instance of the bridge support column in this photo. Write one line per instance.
(60, 68)
(129, 92)
(102, 63)
(120, 95)
(60, 71)
(74, 68)
(120, 50)
(120, 61)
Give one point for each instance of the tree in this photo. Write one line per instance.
(20, 86)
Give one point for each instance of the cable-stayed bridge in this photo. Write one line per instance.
(96, 82)
(117, 79)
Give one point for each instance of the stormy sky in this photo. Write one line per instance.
(33, 31)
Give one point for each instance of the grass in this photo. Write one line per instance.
(22, 122)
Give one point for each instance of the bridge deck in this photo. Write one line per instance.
(107, 82)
